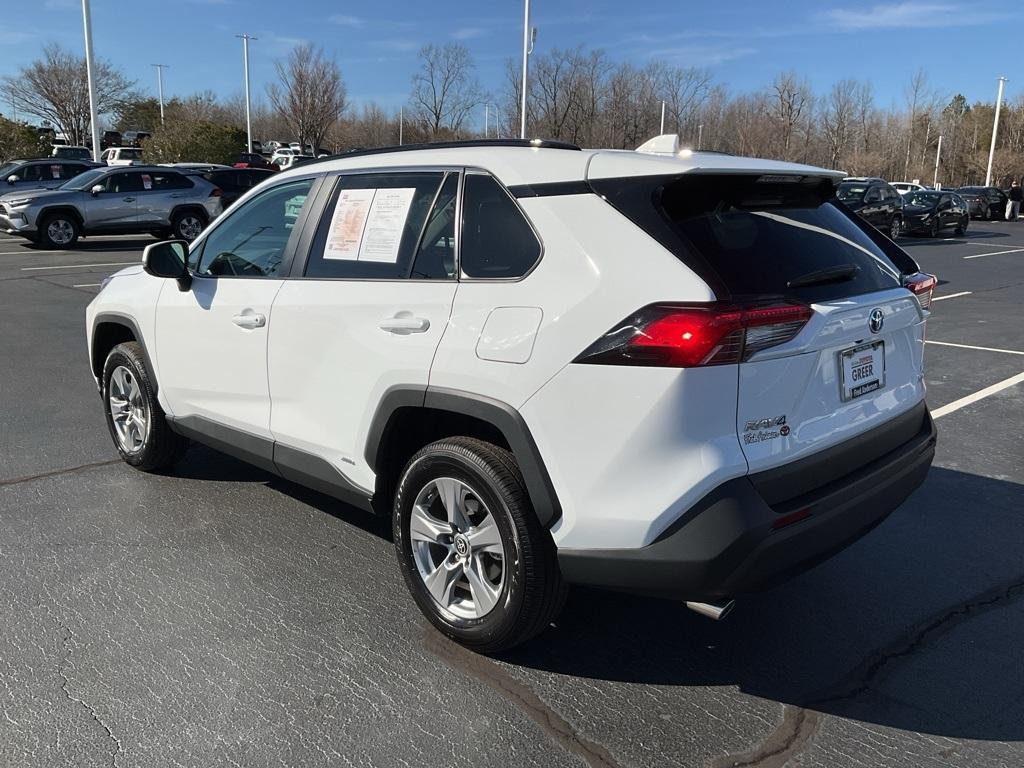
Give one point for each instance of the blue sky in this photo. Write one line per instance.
(963, 46)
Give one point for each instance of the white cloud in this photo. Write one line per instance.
(906, 15)
(346, 21)
(468, 33)
(702, 55)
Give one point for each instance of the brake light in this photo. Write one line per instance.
(687, 336)
(216, 192)
(921, 284)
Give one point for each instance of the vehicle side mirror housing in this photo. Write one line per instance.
(168, 259)
(96, 190)
(11, 179)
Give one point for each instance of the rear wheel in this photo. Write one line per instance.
(962, 226)
(187, 225)
(933, 228)
(895, 227)
(134, 416)
(59, 230)
(477, 561)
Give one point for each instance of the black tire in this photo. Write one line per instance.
(962, 226)
(533, 592)
(933, 228)
(161, 447)
(987, 214)
(895, 227)
(61, 222)
(183, 223)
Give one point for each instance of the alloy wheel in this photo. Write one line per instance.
(128, 410)
(60, 231)
(190, 227)
(457, 548)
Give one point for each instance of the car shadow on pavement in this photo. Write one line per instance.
(913, 627)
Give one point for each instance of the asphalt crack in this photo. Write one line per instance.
(65, 682)
(521, 696)
(56, 472)
(800, 723)
(788, 739)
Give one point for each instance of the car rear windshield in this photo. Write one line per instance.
(923, 199)
(757, 236)
(848, 192)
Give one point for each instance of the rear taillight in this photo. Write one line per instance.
(216, 192)
(678, 336)
(921, 284)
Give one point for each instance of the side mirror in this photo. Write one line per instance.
(168, 259)
(11, 179)
(96, 190)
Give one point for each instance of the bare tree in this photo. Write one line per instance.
(310, 96)
(916, 92)
(444, 90)
(791, 95)
(55, 89)
(838, 118)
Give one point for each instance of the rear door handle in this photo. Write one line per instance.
(129, 199)
(249, 321)
(405, 324)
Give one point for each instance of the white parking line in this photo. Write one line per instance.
(997, 253)
(87, 285)
(985, 245)
(951, 295)
(981, 394)
(83, 266)
(969, 346)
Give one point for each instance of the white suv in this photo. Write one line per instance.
(685, 375)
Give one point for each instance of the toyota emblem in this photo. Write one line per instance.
(876, 320)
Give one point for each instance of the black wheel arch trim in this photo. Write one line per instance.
(65, 209)
(501, 416)
(119, 318)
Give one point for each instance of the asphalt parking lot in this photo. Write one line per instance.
(220, 616)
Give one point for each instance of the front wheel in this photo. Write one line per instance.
(134, 416)
(933, 228)
(477, 561)
(59, 230)
(962, 226)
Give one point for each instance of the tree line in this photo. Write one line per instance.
(575, 94)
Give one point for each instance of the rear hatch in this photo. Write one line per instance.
(851, 362)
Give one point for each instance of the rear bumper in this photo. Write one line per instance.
(735, 540)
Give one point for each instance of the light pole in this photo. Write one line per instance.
(401, 123)
(938, 154)
(700, 136)
(529, 37)
(248, 108)
(661, 132)
(89, 71)
(995, 130)
(160, 87)
(487, 118)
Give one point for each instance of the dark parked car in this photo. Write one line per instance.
(931, 212)
(111, 139)
(133, 138)
(984, 202)
(875, 201)
(235, 182)
(253, 160)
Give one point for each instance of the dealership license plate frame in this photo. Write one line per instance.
(851, 391)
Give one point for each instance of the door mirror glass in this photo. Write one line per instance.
(169, 260)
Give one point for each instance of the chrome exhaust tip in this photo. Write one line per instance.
(716, 611)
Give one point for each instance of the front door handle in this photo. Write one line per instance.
(249, 321)
(403, 324)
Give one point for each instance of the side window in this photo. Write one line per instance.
(435, 257)
(372, 225)
(252, 241)
(32, 172)
(497, 241)
(73, 169)
(119, 183)
(873, 196)
(160, 181)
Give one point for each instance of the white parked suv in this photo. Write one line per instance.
(681, 375)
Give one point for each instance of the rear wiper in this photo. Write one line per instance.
(838, 274)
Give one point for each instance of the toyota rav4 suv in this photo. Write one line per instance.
(683, 374)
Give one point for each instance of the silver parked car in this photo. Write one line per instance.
(41, 173)
(116, 200)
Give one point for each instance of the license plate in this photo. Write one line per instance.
(862, 369)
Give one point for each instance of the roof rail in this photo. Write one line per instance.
(527, 143)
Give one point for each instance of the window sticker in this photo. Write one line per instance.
(55, 171)
(147, 181)
(368, 224)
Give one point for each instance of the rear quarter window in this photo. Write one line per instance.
(752, 240)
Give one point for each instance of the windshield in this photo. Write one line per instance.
(131, 154)
(848, 192)
(923, 199)
(85, 180)
(7, 169)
